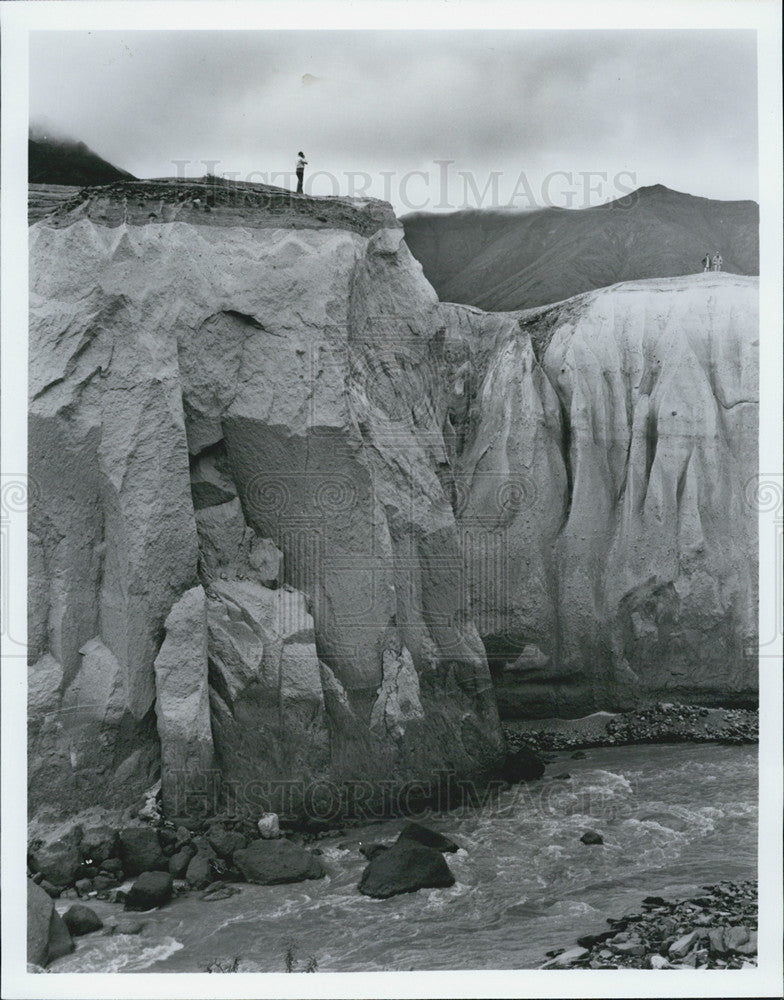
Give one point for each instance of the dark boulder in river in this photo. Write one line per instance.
(522, 765)
(81, 920)
(371, 850)
(592, 837)
(274, 862)
(405, 867)
(150, 889)
(428, 838)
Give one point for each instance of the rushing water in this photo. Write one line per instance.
(673, 818)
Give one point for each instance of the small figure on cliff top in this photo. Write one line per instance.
(301, 164)
(717, 261)
(706, 262)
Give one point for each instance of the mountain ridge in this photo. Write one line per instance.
(500, 260)
(69, 162)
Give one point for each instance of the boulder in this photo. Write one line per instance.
(682, 945)
(225, 842)
(428, 838)
(273, 862)
(58, 861)
(83, 886)
(103, 882)
(200, 872)
(140, 850)
(48, 937)
(748, 947)
(99, 844)
(522, 765)
(406, 867)
(149, 890)
(371, 850)
(736, 937)
(131, 927)
(179, 862)
(268, 826)
(81, 920)
(591, 837)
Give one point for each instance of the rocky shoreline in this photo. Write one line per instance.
(661, 723)
(717, 930)
(144, 867)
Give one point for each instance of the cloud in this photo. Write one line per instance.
(676, 107)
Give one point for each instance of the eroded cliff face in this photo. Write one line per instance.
(210, 403)
(281, 495)
(612, 447)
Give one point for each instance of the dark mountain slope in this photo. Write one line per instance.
(62, 161)
(504, 261)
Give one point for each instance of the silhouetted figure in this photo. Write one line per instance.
(706, 262)
(717, 261)
(301, 164)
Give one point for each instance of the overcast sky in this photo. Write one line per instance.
(540, 109)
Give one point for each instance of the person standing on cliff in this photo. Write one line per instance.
(706, 262)
(301, 164)
(717, 261)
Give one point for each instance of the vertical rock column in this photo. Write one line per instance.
(182, 706)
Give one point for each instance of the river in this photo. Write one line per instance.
(673, 818)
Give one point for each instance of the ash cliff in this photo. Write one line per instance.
(292, 518)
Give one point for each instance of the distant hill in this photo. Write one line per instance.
(501, 260)
(63, 161)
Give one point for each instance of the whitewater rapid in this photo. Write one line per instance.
(672, 817)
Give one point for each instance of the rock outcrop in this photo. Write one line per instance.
(182, 701)
(244, 408)
(609, 468)
(287, 505)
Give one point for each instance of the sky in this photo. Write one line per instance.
(430, 120)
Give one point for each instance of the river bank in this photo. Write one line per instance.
(661, 723)
(715, 930)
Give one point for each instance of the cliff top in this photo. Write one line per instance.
(214, 201)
